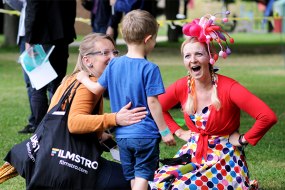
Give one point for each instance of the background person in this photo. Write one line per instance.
(101, 15)
(21, 42)
(20, 5)
(211, 105)
(49, 22)
(122, 7)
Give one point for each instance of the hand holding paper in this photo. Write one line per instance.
(35, 63)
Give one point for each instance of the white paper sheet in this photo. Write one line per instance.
(36, 65)
(115, 154)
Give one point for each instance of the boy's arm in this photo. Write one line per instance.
(94, 87)
(156, 112)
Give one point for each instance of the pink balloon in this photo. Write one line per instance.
(195, 30)
(225, 19)
(185, 29)
(202, 37)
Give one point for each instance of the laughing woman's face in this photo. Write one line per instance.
(196, 60)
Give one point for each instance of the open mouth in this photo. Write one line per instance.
(196, 68)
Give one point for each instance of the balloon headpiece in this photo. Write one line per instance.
(206, 31)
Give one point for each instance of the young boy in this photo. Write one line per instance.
(132, 78)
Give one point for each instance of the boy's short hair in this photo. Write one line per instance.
(138, 24)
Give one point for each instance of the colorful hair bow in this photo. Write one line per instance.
(205, 30)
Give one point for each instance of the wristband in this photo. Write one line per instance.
(164, 132)
(240, 140)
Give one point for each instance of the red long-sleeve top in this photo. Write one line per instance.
(234, 97)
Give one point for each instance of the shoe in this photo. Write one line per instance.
(27, 129)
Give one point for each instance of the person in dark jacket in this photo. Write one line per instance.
(49, 22)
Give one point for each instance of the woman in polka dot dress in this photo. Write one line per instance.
(211, 105)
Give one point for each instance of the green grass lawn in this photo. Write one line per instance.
(263, 74)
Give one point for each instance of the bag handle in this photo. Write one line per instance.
(65, 97)
(68, 104)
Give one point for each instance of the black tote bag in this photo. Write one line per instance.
(53, 158)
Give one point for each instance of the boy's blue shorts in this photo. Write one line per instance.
(139, 157)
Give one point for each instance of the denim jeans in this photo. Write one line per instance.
(139, 157)
(29, 88)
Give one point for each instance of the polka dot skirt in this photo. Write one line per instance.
(225, 168)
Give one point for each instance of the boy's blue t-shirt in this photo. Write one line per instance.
(133, 80)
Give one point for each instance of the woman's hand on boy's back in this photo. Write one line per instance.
(127, 116)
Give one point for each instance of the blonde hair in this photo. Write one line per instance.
(137, 25)
(191, 104)
(87, 46)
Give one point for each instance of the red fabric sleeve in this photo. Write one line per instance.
(168, 100)
(257, 109)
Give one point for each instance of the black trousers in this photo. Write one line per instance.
(111, 177)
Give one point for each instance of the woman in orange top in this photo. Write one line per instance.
(86, 112)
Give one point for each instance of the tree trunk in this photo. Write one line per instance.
(11, 23)
(1, 18)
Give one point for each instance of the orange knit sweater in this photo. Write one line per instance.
(85, 116)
